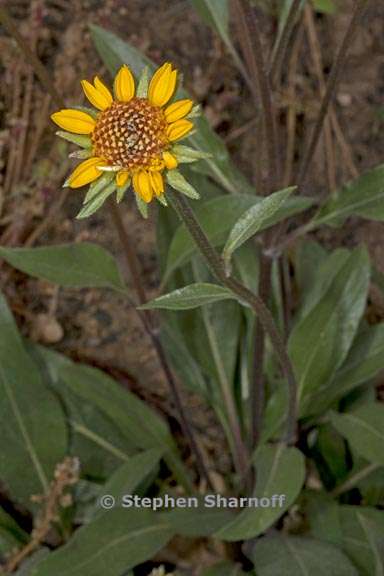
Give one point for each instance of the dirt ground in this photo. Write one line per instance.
(98, 326)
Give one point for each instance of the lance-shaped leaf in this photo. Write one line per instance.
(191, 296)
(253, 220)
(78, 139)
(215, 13)
(30, 416)
(187, 155)
(363, 197)
(128, 478)
(364, 361)
(80, 265)
(177, 181)
(320, 341)
(280, 471)
(364, 430)
(217, 216)
(111, 544)
(299, 556)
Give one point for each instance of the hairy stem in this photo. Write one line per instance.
(250, 40)
(330, 90)
(280, 49)
(215, 264)
(146, 319)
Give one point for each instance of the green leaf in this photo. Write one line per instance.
(319, 281)
(333, 455)
(187, 155)
(215, 13)
(217, 216)
(94, 436)
(197, 522)
(112, 544)
(78, 139)
(142, 206)
(253, 220)
(32, 562)
(128, 477)
(96, 201)
(142, 427)
(308, 257)
(98, 186)
(80, 265)
(320, 341)
(299, 556)
(363, 197)
(114, 52)
(30, 416)
(142, 86)
(11, 535)
(183, 361)
(224, 569)
(364, 361)
(364, 430)
(363, 538)
(177, 181)
(191, 296)
(280, 471)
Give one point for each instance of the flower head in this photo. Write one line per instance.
(131, 137)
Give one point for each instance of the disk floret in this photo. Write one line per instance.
(131, 137)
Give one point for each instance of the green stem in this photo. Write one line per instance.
(215, 264)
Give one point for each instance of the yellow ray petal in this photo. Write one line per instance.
(102, 88)
(170, 160)
(74, 121)
(179, 129)
(97, 98)
(143, 186)
(85, 172)
(178, 110)
(157, 183)
(162, 85)
(124, 84)
(122, 178)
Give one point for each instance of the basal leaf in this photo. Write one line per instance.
(300, 556)
(321, 340)
(142, 427)
(197, 522)
(30, 416)
(280, 470)
(111, 544)
(77, 265)
(128, 477)
(364, 430)
(363, 197)
(364, 361)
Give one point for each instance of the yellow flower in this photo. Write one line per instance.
(130, 135)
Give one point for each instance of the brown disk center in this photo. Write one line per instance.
(130, 134)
